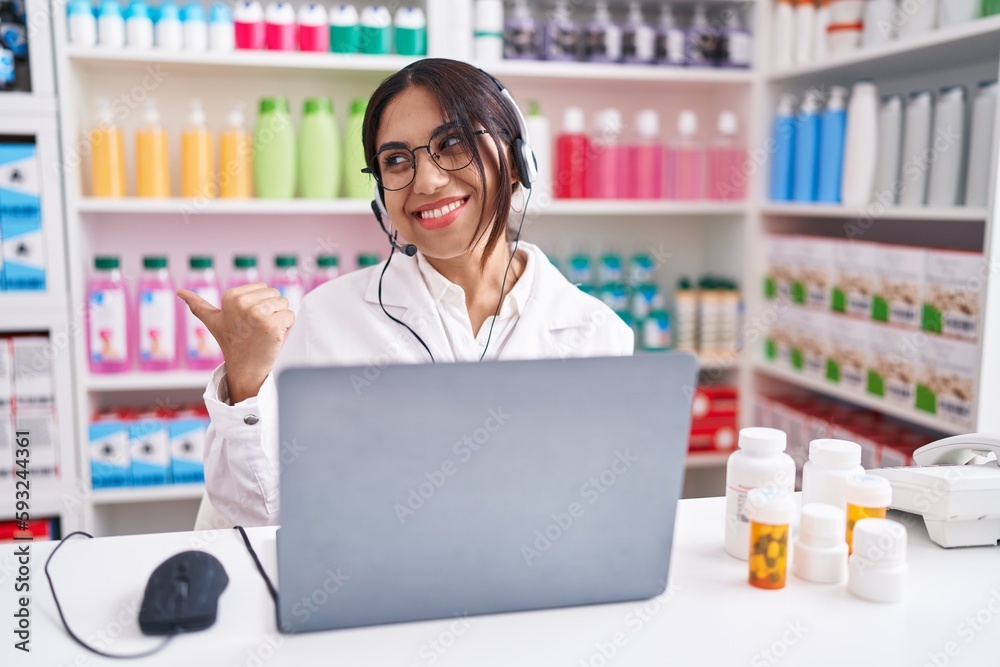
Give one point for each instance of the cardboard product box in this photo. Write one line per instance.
(814, 275)
(716, 434)
(149, 442)
(849, 353)
(814, 342)
(953, 293)
(779, 340)
(895, 360)
(42, 432)
(899, 293)
(793, 421)
(763, 411)
(21, 218)
(33, 386)
(714, 402)
(6, 373)
(948, 380)
(110, 452)
(187, 430)
(855, 273)
(780, 277)
(6, 444)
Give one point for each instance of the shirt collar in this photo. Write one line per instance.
(439, 286)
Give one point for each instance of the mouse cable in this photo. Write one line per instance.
(62, 617)
(260, 568)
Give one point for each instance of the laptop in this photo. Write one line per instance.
(447, 490)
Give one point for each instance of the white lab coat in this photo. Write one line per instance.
(341, 323)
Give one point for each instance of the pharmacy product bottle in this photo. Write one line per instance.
(274, 151)
(541, 144)
(376, 30)
(686, 161)
(235, 155)
(916, 141)
(759, 463)
(169, 28)
(244, 271)
(737, 43)
(783, 35)
(868, 496)
(977, 184)
(561, 35)
(345, 30)
(197, 157)
(314, 28)
(109, 319)
(833, 131)
(709, 316)
(644, 158)
(522, 38)
(410, 31)
(945, 186)
(824, 476)
(319, 151)
(602, 36)
(201, 351)
(607, 167)
(195, 28)
(248, 25)
(771, 512)
(572, 157)
(610, 269)
(807, 137)
(327, 268)
(727, 158)
(921, 20)
(686, 316)
(702, 40)
(157, 317)
(279, 26)
(880, 27)
(955, 12)
(890, 146)
(878, 571)
(805, 29)
(138, 26)
(783, 159)
(638, 37)
(82, 27)
(820, 551)
(152, 156)
(357, 185)
(110, 25)
(670, 39)
(488, 43)
(107, 156)
(287, 281)
(861, 145)
(820, 53)
(221, 33)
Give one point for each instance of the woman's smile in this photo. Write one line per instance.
(441, 213)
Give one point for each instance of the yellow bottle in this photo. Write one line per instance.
(152, 156)
(107, 155)
(197, 159)
(235, 166)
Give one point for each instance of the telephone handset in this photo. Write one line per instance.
(955, 486)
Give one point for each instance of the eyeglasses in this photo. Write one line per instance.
(395, 166)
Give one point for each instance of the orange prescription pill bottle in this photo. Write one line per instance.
(771, 512)
(868, 497)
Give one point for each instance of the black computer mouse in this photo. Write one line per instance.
(182, 594)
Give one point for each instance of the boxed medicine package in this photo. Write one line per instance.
(855, 274)
(899, 290)
(948, 370)
(953, 292)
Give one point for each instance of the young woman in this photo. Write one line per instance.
(440, 138)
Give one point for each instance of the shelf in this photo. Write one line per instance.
(905, 414)
(636, 207)
(968, 42)
(707, 459)
(189, 207)
(534, 69)
(26, 104)
(877, 212)
(29, 311)
(147, 494)
(148, 381)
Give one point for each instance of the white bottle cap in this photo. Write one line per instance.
(770, 506)
(812, 102)
(835, 454)
(574, 121)
(953, 93)
(197, 118)
(878, 569)
(343, 15)
(312, 15)
(104, 114)
(892, 102)
(376, 17)
(601, 13)
(869, 491)
(820, 550)
(634, 13)
(729, 124)
(489, 15)
(248, 12)
(921, 96)
(647, 123)
(838, 99)
(151, 115)
(687, 123)
(236, 118)
(280, 13)
(412, 18)
(667, 16)
(521, 10)
(786, 105)
(609, 122)
(763, 441)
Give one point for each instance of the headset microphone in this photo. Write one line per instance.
(409, 249)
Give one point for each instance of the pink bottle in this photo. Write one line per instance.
(201, 351)
(244, 271)
(686, 161)
(327, 268)
(157, 317)
(572, 157)
(645, 158)
(314, 29)
(110, 321)
(248, 25)
(727, 162)
(606, 174)
(287, 280)
(279, 27)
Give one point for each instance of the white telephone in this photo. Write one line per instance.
(955, 486)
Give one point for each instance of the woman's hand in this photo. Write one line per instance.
(250, 328)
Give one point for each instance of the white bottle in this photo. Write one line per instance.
(824, 476)
(948, 139)
(984, 109)
(955, 12)
(880, 28)
(890, 146)
(82, 24)
(670, 39)
(920, 19)
(783, 39)
(638, 37)
(820, 549)
(169, 29)
(877, 569)
(916, 140)
(195, 28)
(110, 25)
(489, 24)
(138, 26)
(455, 39)
(820, 52)
(805, 23)
(221, 32)
(540, 139)
(860, 145)
(760, 462)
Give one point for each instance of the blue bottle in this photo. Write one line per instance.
(807, 125)
(833, 129)
(783, 158)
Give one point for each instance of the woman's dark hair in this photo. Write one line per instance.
(468, 97)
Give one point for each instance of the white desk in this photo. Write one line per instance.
(709, 616)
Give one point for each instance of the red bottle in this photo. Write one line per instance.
(572, 156)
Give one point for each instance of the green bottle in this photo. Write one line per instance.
(356, 184)
(319, 151)
(274, 150)
(991, 7)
